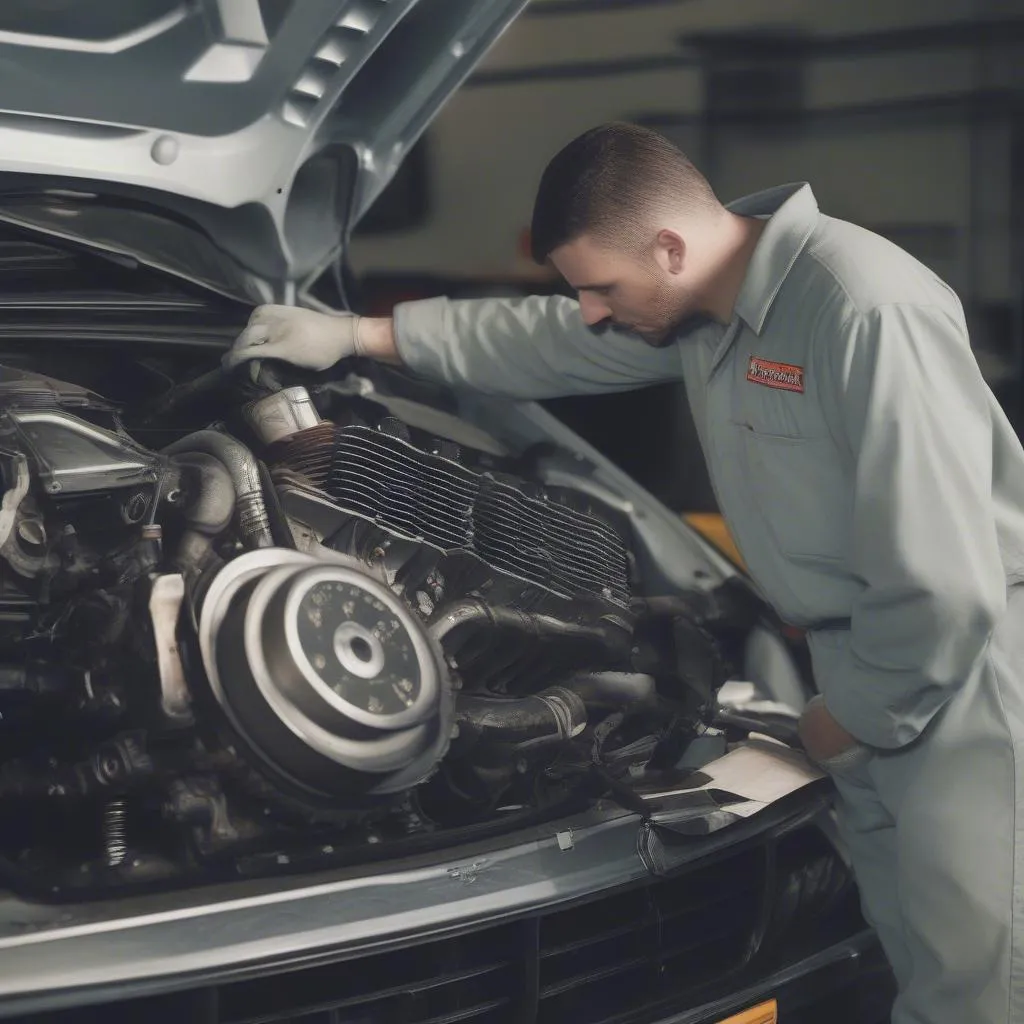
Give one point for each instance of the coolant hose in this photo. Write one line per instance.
(472, 610)
(555, 714)
(245, 475)
(613, 689)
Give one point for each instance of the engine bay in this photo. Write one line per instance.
(316, 630)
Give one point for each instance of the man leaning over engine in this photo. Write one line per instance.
(865, 470)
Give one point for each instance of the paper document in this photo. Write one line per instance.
(748, 779)
(762, 771)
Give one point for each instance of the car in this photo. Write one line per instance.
(344, 697)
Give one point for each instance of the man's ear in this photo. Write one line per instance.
(670, 251)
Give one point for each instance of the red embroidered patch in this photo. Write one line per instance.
(783, 376)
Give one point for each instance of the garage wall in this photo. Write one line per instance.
(896, 164)
(487, 151)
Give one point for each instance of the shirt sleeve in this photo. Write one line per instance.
(536, 347)
(918, 419)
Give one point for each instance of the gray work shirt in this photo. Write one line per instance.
(861, 463)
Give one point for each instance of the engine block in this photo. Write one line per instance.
(432, 499)
(279, 639)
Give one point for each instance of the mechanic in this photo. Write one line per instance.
(865, 470)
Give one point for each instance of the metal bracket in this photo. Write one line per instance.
(165, 601)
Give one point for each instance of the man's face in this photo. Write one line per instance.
(643, 292)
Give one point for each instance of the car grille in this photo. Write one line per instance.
(587, 963)
(472, 980)
(651, 945)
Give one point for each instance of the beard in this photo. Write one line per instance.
(689, 324)
(668, 314)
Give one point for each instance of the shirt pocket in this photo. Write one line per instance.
(800, 489)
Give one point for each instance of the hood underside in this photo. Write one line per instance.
(269, 125)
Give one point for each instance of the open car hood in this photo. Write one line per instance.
(232, 142)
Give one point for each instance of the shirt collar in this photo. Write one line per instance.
(793, 214)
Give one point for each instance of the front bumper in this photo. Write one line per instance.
(551, 925)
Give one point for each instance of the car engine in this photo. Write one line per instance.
(314, 633)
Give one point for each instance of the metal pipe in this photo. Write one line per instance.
(240, 463)
(282, 415)
(209, 511)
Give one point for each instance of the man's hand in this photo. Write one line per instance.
(311, 340)
(822, 736)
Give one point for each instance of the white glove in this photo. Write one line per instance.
(302, 337)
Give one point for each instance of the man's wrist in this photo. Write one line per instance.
(822, 735)
(375, 339)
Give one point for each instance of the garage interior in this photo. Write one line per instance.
(557, 868)
(906, 117)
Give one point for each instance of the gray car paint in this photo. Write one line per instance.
(273, 139)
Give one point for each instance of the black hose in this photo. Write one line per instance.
(613, 689)
(473, 610)
(182, 394)
(777, 727)
(554, 714)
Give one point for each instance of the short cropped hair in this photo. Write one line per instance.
(607, 181)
